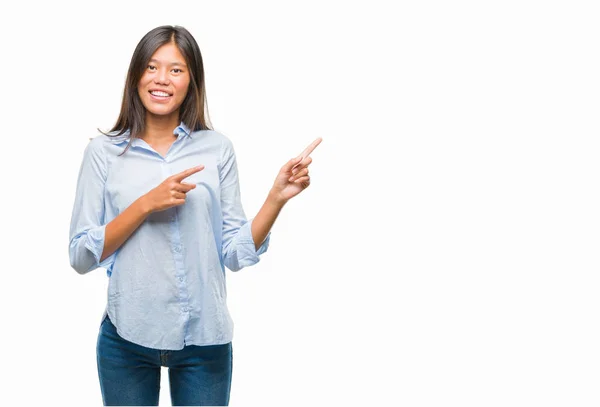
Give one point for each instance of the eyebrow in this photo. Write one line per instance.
(171, 64)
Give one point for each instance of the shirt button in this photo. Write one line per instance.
(177, 249)
(180, 278)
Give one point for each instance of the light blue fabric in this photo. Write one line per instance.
(166, 284)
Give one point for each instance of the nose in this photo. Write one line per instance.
(162, 77)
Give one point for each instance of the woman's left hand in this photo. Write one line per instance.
(293, 177)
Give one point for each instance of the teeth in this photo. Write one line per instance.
(158, 93)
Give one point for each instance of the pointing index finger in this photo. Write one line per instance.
(310, 148)
(186, 173)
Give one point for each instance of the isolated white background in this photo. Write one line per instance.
(446, 252)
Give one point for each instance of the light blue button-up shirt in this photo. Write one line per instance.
(166, 285)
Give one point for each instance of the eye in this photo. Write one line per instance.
(177, 69)
(151, 67)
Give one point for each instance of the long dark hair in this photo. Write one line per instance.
(191, 111)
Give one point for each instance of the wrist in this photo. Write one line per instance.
(145, 205)
(276, 199)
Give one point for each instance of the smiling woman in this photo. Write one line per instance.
(165, 243)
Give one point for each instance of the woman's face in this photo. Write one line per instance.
(164, 84)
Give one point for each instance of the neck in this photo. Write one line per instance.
(160, 128)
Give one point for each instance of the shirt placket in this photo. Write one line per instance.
(177, 250)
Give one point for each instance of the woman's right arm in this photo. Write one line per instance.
(92, 243)
(87, 230)
(171, 192)
(120, 228)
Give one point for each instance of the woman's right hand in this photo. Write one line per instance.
(171, 192)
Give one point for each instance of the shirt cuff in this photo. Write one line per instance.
(246, 251)
(95, 244)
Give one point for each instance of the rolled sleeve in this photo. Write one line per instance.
(238, 249)
(247, 255)
(95, 244)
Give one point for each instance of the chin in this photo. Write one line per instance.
(159, 112)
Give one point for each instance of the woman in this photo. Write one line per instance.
(158, 205)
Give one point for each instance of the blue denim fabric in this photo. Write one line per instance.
(130, 374)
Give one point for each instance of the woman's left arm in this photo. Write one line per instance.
(292, 179)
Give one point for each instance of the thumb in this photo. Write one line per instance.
(290, 164)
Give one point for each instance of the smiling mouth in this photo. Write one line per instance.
(159, 94)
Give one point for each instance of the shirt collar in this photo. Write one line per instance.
(182, 129)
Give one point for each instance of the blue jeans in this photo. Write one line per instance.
(130, 374)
